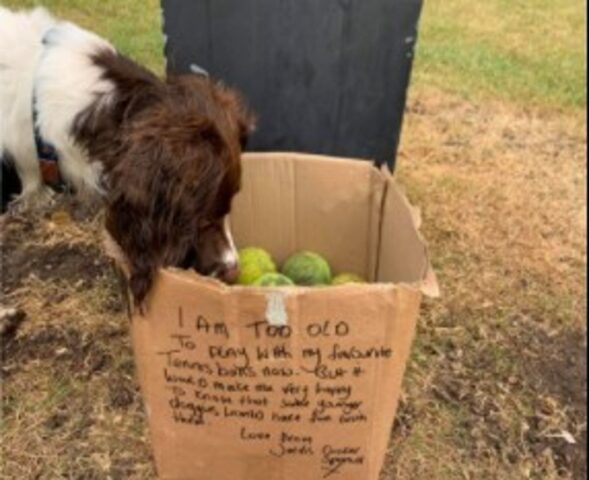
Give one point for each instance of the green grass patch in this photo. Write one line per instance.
(531, 52)
(526, 51)
(133, 26)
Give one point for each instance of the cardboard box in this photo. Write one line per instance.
(290, 383)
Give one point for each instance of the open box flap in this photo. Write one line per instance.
(403, 253)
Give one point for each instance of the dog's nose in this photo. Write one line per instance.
(230, 272)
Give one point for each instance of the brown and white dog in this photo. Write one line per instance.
(164, 155)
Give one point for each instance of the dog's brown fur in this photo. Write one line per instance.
(170, 150)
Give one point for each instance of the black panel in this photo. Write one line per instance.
(324, 76)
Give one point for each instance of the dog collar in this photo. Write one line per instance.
(46, 153)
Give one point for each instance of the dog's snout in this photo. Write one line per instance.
(230, 272)
(216, 253)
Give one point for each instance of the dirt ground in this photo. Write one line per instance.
(496, 385)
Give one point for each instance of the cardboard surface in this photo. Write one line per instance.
(325, 204)
(276, 384)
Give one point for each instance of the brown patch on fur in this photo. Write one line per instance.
(171, 155)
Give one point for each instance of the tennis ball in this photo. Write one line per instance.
(307, 268)
(273, 280)
(344, 278)
(253, 263)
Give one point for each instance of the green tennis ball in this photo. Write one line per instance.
(307, 268)
(344, 278)
(253, 263)
(273, 280)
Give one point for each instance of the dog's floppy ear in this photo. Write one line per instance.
(162, 185)
(127, 222)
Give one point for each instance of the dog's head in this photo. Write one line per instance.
(171, 172)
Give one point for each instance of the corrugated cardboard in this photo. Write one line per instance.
(294, 383)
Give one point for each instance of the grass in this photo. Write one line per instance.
(134, 26)
(503, 194)
(532, 52)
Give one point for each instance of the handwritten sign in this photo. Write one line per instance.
(269, 390)
(231, 396)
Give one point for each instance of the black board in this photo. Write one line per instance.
(323, 76)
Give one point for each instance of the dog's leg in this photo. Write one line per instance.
(34, 193)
